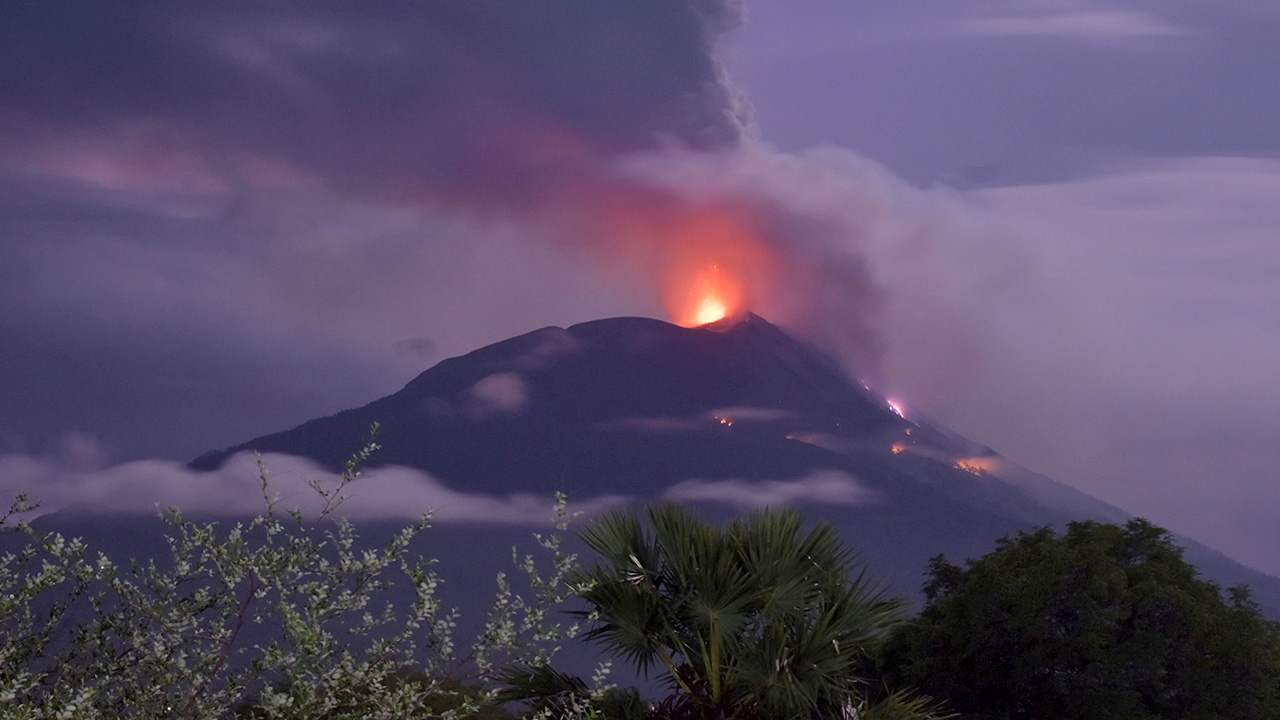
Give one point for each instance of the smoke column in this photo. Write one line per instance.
(522, 112)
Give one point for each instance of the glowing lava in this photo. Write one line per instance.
(712, 295)
(711, 310)
(712, 306)
(713, 265)
(976, 465)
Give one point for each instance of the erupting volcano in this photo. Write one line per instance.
(714, 263)
(738, 414)
(715, 299)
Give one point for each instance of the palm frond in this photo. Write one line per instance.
(758, 619)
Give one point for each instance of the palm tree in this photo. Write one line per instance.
(754, 621)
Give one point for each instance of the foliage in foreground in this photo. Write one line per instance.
(280, 617)
(756, 620)
(1102, 622)
(269, 618)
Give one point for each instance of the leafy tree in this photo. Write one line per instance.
(1102, 622)
(756, 620)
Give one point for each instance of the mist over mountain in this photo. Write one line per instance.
(729, 416)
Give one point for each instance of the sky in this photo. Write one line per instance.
(1051, 226)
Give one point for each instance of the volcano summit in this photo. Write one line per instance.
(731, 415)
(624, 405)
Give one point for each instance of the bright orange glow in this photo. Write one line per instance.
(718, 267)
(712, 296)
(899, 448)
(708, 260)
(976, 465)
(710, 311)
(707, 256)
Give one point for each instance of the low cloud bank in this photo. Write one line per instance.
(236, 490)
(827, 486)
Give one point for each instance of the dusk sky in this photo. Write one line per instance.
(1051, 226)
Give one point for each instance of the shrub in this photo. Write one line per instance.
(1105, 621)
(274, 617)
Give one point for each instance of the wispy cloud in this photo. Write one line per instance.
(828, 486)
(501, 393)
(744, 413)
(709, 419)
(1092, 24)
(235, 490)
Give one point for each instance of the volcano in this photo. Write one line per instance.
(731, 415)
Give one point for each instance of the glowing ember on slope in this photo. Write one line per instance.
(894, 407)
(976, 465)
(899, 448)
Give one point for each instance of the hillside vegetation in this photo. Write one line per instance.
(764, 618)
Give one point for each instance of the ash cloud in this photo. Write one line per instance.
(338, 193)
(218, 220)
(468, 99)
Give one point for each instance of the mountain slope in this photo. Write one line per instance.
(728, 415)
(604, 405)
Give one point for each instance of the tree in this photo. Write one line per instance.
(276, 617)
(1102, 622)
(755, 620)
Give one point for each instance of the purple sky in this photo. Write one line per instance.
(1049, 225)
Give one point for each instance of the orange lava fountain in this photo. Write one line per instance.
(709, 260)
(718, 268)
(711, 300)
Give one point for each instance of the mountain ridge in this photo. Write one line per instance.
(641, 408)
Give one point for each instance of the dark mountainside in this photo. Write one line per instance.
(635, 407)
(611, 406)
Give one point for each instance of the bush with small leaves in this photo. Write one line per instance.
(274, 617)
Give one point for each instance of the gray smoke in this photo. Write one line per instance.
(301, 181)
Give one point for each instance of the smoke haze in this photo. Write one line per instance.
(218, 220)
(221, 176)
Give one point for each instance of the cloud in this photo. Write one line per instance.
(218, 222)
(277, 199)
(744, 413)
(553, 342)
(828, 487)
(493, 96)
(1087, 25)
(708, 420)
(1119, 333)
(419, 348)
(235, 490)
(499, 393)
